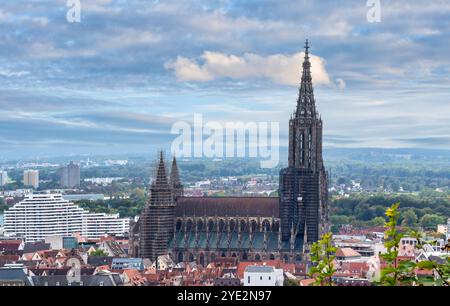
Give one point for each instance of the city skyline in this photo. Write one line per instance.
(67, 88)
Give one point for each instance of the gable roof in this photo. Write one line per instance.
(347, 252)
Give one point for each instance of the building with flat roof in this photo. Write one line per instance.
(3, 178)
(70, 175)
(31, 178)
(42, 215)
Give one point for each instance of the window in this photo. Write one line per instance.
(101, 283)
(248, 280)
(269, 277)
(260, 278)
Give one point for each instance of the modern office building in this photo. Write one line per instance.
(41, 215)
(3, 178)
(70, 175)
(31, 178)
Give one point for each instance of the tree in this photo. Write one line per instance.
(290, 282)
(396, 272)
(377, 221)
(98, 252)
(322, 256)
(409, 218)
(430, 221)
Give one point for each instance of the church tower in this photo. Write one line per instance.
(304, 183)
(175, 181)
(157, 218)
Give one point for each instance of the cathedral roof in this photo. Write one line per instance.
(228, 206)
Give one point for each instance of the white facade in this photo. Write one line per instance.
(42, 215)
(3, 178)
(263, 276)
(31, 178)
(96, 225)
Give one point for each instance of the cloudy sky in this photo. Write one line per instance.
(119, 79)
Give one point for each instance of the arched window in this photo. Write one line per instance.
(257, 257)
(266, 225)
(242, 225)
(210, 225)
(221, 225)
(272, 257)
(189, 225)
(254, 225)
(191, 257)
(202, 259)
(178, 225)
(199, 225)
(232, 225)
(180, 257)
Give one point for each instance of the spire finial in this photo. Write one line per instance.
(307, 49)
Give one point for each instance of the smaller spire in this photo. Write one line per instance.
(175, 180)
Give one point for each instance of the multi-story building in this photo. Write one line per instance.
(263, 276)
(31, 178)
(3, 178)
(96, 225)
(42, 215)
(70, 175)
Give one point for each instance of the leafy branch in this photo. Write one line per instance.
(322, 256)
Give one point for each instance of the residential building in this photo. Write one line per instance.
(62, 242)
(127, 263)
(42, 215)
(31, 178)
(70, 175)
(3, 178)
(263, 276)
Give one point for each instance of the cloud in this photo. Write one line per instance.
(280, 68)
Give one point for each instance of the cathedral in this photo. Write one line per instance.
(202, 229)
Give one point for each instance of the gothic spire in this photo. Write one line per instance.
(306, 107)
(161, 180)
(174, 173)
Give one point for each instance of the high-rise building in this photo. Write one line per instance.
(42, 215)
(31, 178)
(304, 184)
(3, 178)
(70, 175)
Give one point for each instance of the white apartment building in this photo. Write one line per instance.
(42, 215)
(96, 225)
(3, 178)
(31, 178)
(263, 276)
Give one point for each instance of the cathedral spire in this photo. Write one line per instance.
(306, 107)
(175, 181)
(161, 174)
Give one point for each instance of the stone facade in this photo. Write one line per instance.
(202, 229)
